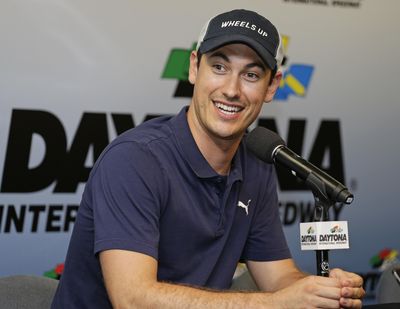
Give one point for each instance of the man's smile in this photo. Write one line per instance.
(228, 109)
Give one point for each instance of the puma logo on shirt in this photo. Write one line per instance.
(246, 207)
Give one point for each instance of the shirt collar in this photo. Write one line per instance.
(192, 154)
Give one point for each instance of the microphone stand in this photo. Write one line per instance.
(321, 213)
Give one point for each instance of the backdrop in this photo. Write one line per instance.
(75, 73)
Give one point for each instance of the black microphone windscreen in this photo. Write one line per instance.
(262, 142)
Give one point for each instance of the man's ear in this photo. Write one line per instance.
(273, 87)
(193, 67)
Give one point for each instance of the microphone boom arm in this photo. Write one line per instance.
(321, 213)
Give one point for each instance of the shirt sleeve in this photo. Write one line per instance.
(266, 240)
(125, 193)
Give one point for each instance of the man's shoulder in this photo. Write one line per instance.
(136, 144)
(151, 130)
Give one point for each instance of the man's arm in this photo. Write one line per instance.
(275, 275)
(131, 282)
(284, 278)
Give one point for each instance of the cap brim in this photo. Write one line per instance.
(214, 43)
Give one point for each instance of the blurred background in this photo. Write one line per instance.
(76, 73)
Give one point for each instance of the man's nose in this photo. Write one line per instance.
(231, 88)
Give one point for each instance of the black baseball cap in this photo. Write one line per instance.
(243, 26)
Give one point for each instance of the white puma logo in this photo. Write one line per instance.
(246, 207)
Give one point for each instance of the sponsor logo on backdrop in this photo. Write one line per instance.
(61, 167)
(384, 259)
(296, 77)
(295, 81)
(34, 218)
(56, 272)
(177, 67)
(352, 4)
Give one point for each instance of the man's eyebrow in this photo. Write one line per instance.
(219, 54)
(257, 64)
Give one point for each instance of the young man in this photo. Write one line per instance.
(171, 206)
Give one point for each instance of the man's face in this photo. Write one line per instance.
(231, 84)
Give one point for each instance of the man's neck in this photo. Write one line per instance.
(218, 152)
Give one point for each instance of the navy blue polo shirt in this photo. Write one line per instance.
(152, 191)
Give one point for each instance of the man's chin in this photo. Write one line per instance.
(231, 135)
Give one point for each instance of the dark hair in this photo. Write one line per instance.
(273, 72)
(199, 55)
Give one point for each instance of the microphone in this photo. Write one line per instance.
(270, 147)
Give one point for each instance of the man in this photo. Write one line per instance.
(171, 206)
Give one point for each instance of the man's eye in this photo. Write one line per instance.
(219, 67)
(252, 76)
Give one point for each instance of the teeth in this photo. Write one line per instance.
(227, 108)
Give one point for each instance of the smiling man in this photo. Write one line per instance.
(171, 206)
(231, 85)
